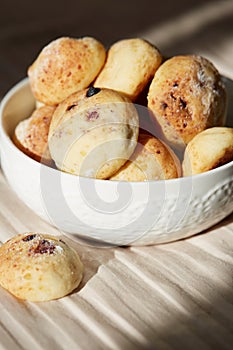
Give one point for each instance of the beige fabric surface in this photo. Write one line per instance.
(172, 296)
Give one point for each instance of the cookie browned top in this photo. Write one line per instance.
(187, 96)
(39, 267)
(31, 135)
(64, 66)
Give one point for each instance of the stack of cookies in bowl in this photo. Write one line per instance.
(88, 121)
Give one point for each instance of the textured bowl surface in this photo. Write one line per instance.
(102, 211)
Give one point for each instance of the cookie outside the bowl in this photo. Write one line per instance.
(39, 267)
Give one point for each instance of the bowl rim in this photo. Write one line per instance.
(3, 134)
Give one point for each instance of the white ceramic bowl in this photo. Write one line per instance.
(101, 211)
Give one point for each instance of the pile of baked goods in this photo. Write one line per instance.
(88, 121)
(125, 115)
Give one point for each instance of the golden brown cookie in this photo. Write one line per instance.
(39, 267)
(130, 65)
(186, 96)
(93, 133)
(208, 150)
(64, 66)
(31, 135)
(151, 160)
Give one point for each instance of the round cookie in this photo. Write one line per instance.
(151, 160)
(208, 150)
(130, 65)
(39, 267)
(31, 135)
(64, 66)
(93, 133)
(186, 96)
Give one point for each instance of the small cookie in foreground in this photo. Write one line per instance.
(130, 65)
(31, 134)
(208, 150)
(186, 96)
(39, 267)
(93, 133)
(64, 66)
(151, 160)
